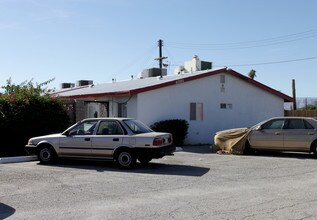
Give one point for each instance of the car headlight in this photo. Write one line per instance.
(30, 142)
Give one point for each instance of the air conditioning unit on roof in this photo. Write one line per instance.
(153, 72)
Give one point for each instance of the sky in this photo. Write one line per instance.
(101, 40)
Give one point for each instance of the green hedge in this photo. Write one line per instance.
(25, 112)
(177, 127)
(21, 120)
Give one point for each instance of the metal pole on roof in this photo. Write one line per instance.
(160, 44)
(160, 58)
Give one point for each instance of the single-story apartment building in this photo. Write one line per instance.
(209, 100)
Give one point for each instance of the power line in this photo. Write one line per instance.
(247, 44)
(269, 63)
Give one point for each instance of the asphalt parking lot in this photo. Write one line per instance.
(193, 184)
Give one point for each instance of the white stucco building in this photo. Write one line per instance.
(209, 101)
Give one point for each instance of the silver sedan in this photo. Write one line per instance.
(121, 139)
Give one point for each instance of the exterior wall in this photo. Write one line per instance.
(250, 105)
(132, 107)
(80, 110)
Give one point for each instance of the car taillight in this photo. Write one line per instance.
(157, 141)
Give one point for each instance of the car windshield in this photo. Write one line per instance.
(137, 127)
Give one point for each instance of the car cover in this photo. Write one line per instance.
(231, 141)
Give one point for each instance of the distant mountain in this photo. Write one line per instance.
(301, 102)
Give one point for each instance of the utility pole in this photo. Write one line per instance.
(160, 58)
(294, 95)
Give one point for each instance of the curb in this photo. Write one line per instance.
(17, 159)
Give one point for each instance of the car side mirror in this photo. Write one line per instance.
(258, 128)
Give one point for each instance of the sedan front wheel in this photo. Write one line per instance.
(46, 155)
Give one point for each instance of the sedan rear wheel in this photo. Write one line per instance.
(125, 159)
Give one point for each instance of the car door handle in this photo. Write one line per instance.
(87, 139)
(277, 133)
(115, 139)
(311, 133)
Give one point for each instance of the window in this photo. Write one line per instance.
(307, 125)
(298, 124)
(109, 128)
(274, 124)
(137, 127)
(196, 111)
(295, 124)
(85, 128)
(225, 105)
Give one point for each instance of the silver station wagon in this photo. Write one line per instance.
(123, 140)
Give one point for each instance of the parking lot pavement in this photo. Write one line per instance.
(193, 184)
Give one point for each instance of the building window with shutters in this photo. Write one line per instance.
(196, 112)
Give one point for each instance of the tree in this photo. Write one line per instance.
(252, 74)
(27, 110)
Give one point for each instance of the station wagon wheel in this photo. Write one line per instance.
(125, 159)
(46, 155)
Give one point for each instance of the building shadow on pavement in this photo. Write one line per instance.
(6, 211)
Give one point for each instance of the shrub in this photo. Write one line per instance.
(27, 111)
(177, 127)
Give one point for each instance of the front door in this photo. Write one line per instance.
(78, 141)
(269, 136)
